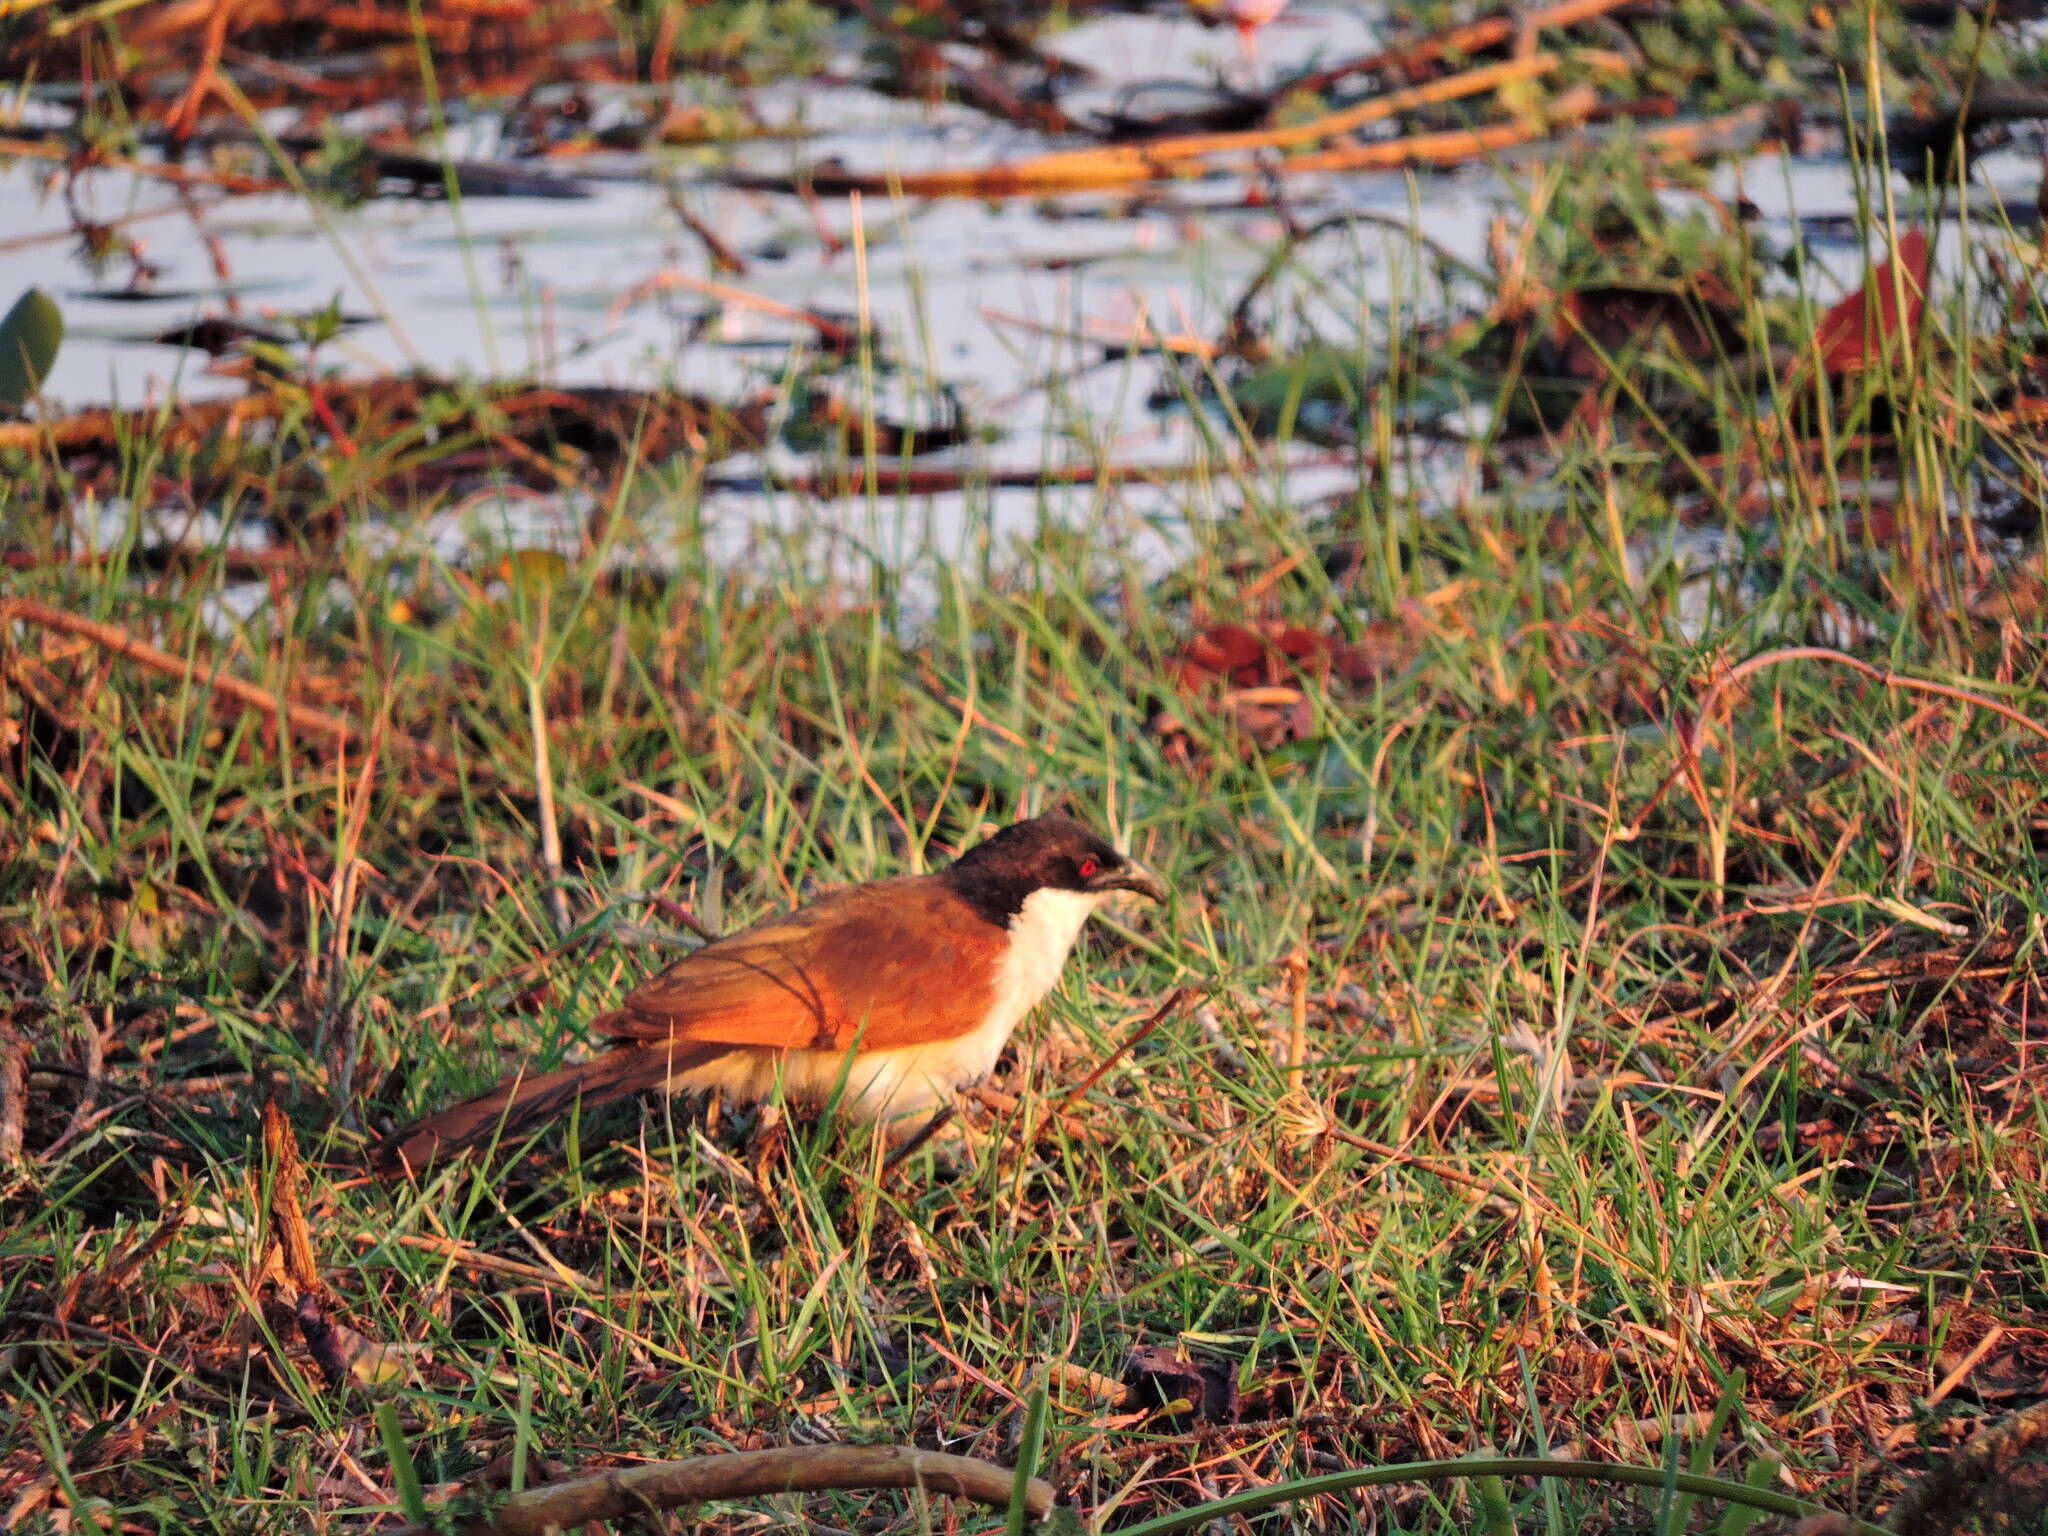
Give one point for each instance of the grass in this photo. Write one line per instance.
(1563, 1078)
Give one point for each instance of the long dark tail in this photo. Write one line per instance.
(522, 1104)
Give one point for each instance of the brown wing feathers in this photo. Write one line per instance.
(899, 962)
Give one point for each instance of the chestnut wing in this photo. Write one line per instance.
(899, 962)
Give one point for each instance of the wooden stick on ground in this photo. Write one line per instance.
(660, 1485)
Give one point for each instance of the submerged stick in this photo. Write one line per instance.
(1488, 32)
(1126, 165)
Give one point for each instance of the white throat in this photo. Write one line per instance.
(1042, 935)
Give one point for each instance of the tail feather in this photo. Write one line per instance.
(524, 1103)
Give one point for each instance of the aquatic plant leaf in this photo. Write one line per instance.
(29, 338)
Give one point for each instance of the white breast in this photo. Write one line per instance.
(916, 1079)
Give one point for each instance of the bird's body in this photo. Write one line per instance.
(888, 996)
(854, 973)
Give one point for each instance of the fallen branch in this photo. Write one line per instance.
(1729, 133)
(1453, 146)
(660, 1485)
(1471, 82)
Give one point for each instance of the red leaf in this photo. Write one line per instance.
(1857, 331)
(1298, 644)
(1249, 655)
(1222, 650)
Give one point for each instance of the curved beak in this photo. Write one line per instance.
(1131, 876)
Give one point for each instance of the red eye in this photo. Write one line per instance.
(1088, 867)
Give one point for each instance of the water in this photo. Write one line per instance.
(975, 302)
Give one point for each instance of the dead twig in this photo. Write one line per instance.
(287, 1212)
(1689, 732)
(302, 717)
(1453, 146)
(13, 1094)
(919, 1137)
(341, 1353)
(1160, 1015)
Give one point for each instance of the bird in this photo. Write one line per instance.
(887, 997)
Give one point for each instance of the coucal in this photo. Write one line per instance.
(894, 994)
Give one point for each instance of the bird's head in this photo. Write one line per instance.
(1047, 853)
